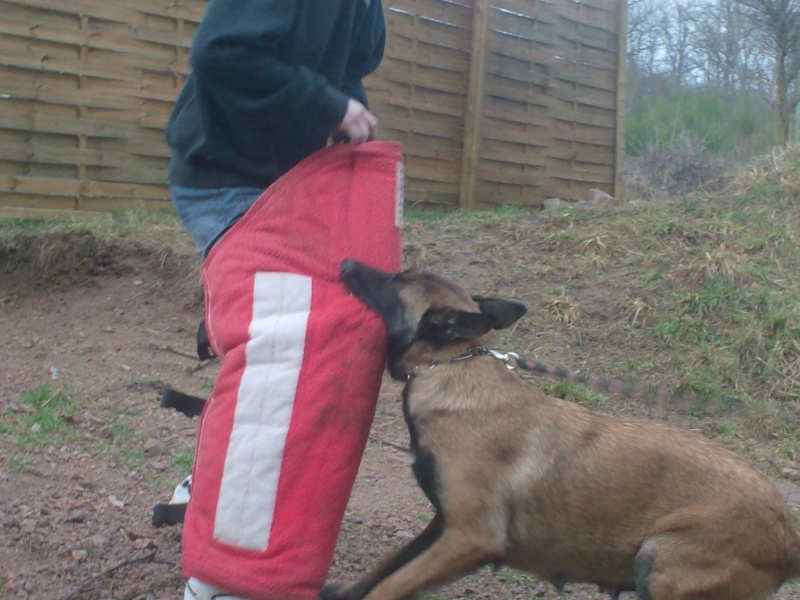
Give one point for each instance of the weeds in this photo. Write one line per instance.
(46, 414)
(43, 417)
(563, 309)
(574, 392)
(700, 293)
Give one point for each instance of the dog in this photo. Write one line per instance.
(519, 478)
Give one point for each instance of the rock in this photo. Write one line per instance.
(76, 516)
(153, 447)
(402, 533)
(597, 197)
(79, 555)
(354, 519)
(98, 541)
(552, 202)
(145, 544)
(790, 473)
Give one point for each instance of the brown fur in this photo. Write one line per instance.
(543, 485)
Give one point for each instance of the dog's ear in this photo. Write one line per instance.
(445, 325)
(505, 312)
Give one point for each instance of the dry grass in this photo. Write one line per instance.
(700, 294)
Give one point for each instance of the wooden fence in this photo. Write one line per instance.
(495, 101)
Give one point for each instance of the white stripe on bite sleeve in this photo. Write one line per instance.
(264, 405)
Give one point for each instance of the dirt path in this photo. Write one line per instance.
(109, 331)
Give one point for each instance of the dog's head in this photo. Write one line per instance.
(428, 318)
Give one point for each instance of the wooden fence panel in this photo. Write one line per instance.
(548, 127)
(495, 101)
(419, 93)
(86, 88)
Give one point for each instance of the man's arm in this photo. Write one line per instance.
(358, 124)
(235, 52)
(367, 51)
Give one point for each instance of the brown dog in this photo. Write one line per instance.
(522, 479)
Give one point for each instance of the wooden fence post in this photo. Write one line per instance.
(474, 112)
(622, 57)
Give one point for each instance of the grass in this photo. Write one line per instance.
(42, 241)
(700, 294)
(181, 460)
(573, 392)
(705, 288)
(43, 417)
(47, 415)
(122, 222)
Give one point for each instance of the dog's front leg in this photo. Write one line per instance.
(452, 555)
(387, 566)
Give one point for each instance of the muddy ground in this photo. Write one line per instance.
(109, 323)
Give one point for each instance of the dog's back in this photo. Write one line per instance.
(575, 494)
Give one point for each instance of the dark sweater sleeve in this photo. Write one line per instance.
(367, 52)
(234, 52)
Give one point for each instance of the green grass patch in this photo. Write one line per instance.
(574, 392)
(46, 415)
(182, 459)
(682, 329)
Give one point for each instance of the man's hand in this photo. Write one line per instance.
(359, 125)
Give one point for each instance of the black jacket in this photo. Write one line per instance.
(270, 78)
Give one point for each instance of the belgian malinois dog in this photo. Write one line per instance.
(522, 479)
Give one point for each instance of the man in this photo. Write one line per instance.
(272, 82)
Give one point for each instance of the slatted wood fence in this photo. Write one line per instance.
(495, 101)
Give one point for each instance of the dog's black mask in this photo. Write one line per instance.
(439, 324)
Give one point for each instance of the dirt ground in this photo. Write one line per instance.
(110, 323)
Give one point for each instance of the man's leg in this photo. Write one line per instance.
(206, 215)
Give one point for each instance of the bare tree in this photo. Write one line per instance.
(678, 22)
(722, 42)
(780, 21)
(642, 42)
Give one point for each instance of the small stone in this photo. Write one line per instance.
(79, 555)
(402, 533)
(98, 541)
(77, 516)
(354, 519)
(552, 202)
(145, 544)
(790, 473)
(597, 197)
(153, 447)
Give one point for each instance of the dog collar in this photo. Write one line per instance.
(508, 358)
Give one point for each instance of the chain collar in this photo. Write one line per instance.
(508, 358)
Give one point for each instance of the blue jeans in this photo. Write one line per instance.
(207, 213)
